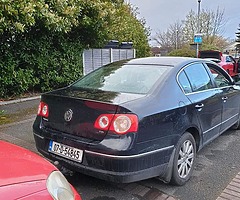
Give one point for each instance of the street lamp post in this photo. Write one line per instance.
(198, 26)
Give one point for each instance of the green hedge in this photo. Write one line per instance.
(185, 52)
(38, 62)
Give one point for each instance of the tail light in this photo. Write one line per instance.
(118, 123)
(43, 109)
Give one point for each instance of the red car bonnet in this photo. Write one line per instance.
(19, 165)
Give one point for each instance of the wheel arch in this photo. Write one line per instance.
(168, 174)
(195, 133)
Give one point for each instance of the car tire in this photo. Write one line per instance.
(184, 159)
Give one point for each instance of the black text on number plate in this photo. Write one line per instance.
(65, 151)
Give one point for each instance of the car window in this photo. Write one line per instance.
(232, 59)
(184, 82)
(198, 77)
(118, 77)
(219, 78)
(228, 59)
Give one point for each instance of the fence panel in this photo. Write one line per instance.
(95, 58)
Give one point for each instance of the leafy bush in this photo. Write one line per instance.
(42, 64)
(185, 52)
(14, 80)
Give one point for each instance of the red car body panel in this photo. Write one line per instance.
(21, 165)
(220, 58)
(229, 67)
(25, 190)
(23, 174)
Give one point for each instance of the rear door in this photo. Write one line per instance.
(205, 100)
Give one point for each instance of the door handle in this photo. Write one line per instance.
(224, 99)
(199, 106)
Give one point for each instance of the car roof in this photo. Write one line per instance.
(167, 61)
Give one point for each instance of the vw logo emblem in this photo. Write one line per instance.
(68, 115)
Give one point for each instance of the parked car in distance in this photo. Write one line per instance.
(27, 176)
(138, 119)
(227, 62)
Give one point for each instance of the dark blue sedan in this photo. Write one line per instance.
(138, 119)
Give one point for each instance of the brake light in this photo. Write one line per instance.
(118, 123)
(43, 109)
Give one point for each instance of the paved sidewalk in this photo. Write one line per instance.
(232, 191)
(146, 193)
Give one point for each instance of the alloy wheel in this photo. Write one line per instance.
(185, 159)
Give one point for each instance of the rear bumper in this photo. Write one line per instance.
(121, 169)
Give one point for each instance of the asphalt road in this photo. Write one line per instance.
(217, 164)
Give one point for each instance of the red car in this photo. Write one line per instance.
(227, 62)
(27, 176)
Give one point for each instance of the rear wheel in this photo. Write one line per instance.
(184, 159)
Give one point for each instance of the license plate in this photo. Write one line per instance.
(65, 151)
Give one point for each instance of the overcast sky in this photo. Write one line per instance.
(159, 14)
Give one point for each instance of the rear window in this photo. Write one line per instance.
(138, 79)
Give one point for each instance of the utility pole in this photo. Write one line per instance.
(198, 26)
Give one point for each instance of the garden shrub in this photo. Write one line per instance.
(39, 62)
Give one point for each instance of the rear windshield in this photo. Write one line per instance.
(138, 79)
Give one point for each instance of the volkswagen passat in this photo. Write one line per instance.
(138, 119)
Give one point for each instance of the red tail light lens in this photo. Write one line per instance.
(119, 123)
(43, 109)
(103, 122)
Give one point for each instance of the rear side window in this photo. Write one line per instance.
(184, 82)
(198, 77)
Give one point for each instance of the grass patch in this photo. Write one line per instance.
(4, 119)
(18, 116)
